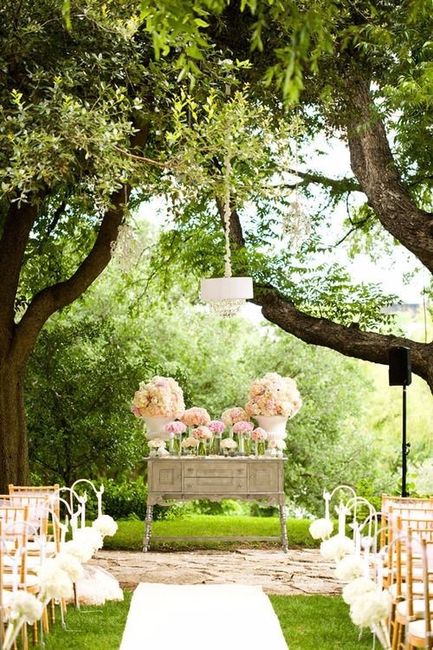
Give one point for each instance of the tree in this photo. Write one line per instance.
(67, 118)
(359, 72)
(88, 94)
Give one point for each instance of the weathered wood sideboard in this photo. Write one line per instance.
(186, 478)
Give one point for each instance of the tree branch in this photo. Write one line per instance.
(57, 296)
(350, 341)
(373, 164)
(15, 235)
(52, 298)
(236, 234)
(356, 226)
(338, 185)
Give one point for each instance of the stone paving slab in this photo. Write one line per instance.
(297, 572)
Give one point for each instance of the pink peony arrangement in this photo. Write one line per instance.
(202, 433)
(216, 426)
(259, 435)
(175, 428)
(190, 443)
(195, 417)
(160, 397)
(273, 395)
(234, 414)
(242, 428)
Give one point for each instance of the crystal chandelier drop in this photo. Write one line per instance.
(227, 295)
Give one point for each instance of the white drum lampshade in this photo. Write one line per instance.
(226, 295)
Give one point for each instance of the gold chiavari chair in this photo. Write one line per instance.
(14, 574)
(3, 595)
(35, 492)
(407, 583)
(405, 507)
(44, 512)
(420, 632)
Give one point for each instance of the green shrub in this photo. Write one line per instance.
(127, 500)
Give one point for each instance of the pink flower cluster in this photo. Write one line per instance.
(259, 435)
(202, 433)
(273, 395)
(234, 414)
(242, 427)
(216, 426)
(161, 396)
(175, 428)
(195, 416)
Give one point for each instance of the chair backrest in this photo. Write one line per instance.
(2, 613)
(15, 527)
(405, 507)
(427, 564)
(32, 489)
(37, 497)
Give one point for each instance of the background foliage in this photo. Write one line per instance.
(125, 329)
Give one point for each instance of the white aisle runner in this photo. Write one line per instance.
(201, 617)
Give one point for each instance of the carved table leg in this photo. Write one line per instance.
(148, 528)
(283, 517)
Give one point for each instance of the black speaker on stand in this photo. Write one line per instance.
(400, 374)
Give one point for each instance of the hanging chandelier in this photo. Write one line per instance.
(226, 295)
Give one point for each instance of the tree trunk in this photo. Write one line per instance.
(14, 467)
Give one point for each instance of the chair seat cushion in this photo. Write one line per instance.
(9, 580)
(417, 628)
(418, 607)
(417, 589)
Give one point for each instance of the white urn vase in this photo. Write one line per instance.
(155, 426)
(275, 425)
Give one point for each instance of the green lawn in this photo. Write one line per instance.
(308, 623)
(130, 533)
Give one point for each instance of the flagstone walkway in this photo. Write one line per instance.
(297, 572)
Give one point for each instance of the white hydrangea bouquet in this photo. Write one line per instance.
(273, 395)
(160, 397)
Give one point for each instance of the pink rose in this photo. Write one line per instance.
(259, 435)
(232, 415)
(195, 416)
(176, 428)
(243, 427)
(216, 426)
(202, 433)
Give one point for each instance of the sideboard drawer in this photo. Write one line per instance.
(215, 484)
(166, 477)
(221, 469)
(265, 477)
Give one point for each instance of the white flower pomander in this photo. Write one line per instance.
(357, 589)
(350, 568)
(321, 528)
(156, 443)
(228, 443)
(336, 547)
(89, 536)
(24, 606)
(372, 608)
(105, 525)
(70, 564)
(83, 552)
(53, 581)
